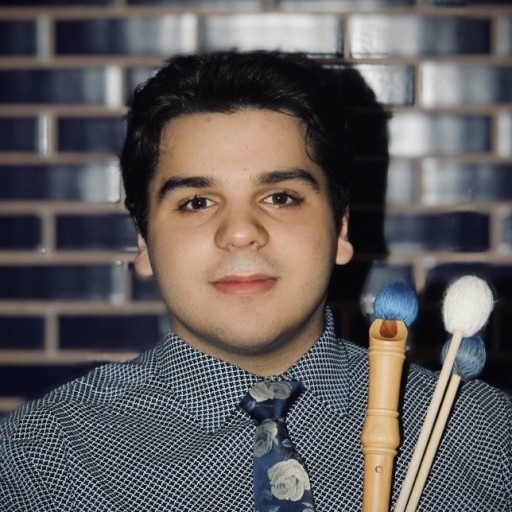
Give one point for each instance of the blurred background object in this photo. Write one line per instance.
(432, 195)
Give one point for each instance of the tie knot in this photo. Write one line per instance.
(271, 400)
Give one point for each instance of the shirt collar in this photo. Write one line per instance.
(211, 389)
(324, 369)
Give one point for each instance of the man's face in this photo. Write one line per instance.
(241, 237)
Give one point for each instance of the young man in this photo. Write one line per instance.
(235, 170)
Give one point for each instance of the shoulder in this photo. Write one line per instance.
(357, 355)
(490, 413)
(477, 439)
(40, 442)
(476, 399)
(33, 450)
(479, 426)
(37, 439)
(100, 387)
(475, 396)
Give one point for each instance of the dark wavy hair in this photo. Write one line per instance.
(225, 82)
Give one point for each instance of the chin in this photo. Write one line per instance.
(247, 341)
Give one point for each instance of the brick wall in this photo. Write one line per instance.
(68, 295)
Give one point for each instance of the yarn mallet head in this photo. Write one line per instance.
(396, 301)
(467, 305)
(470, 359)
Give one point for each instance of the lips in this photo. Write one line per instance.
(245, 285)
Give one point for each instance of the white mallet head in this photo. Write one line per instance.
(467, 304)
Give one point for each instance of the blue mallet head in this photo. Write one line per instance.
(396, 301)
(470, 357)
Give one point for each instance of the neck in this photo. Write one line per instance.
(262, 357)
(268, 365)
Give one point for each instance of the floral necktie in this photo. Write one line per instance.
(281, 483)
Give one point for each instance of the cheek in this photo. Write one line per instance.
(311, 235)
(178, 255)
(312, 250)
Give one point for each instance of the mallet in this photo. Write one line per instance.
(467, 304)
(469, 362)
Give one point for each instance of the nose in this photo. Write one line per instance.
(240, 228)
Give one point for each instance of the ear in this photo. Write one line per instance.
(344, 251)
(142, 262)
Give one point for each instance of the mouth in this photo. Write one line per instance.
(245, 285)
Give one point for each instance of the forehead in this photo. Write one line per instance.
(242, 140)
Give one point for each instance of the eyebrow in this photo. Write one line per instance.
(276, 177)
(267, 178)
(176, 183)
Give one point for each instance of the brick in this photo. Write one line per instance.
(361, 280)
(465, 3)
(143, 289)
(21, 332)
(367, 117)
(122, 332)
(96, 232)
(377, 36)
(469, 98)
(32, 381)
(375, 182)
(20, 232)
(506, 232)
(164, 35)
(352, 5)
(446, 182)
(378, 275)
(89, 182)
(63, 3)
(65, 86)
(455, 232)
(234, 4)
(504, 137)
(18, 37)
(135, 77)
(377, 84)
(465, 84)
(19, 134)
(312, 33)
(504, 38)
(402, 182)
(415, 134)
(392, 85)
(61, 282)
(91, 134)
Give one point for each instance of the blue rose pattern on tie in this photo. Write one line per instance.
(281, 483)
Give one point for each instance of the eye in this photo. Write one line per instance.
(196, 203)
(282, 199)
